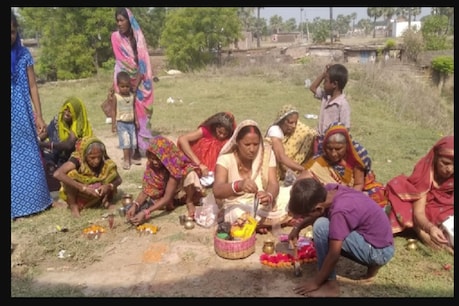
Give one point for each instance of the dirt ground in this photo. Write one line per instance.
(174, 262)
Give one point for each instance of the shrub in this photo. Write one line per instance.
(443, 64)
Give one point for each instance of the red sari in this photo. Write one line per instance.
(402, 191)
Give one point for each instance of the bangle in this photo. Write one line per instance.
(235, 186)
(147, 213)
(271, 197)
(136, 204)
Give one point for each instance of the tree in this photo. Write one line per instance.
(353, 17)
(75, 41)
(275, 23)
(192, 35)
(375, 13)
(388, 12)
(320, 30)
(433, 32)
(151, 20)
(448, 12)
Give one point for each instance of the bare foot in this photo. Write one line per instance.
(75, 211)
(329, 289)
(59, 204)
(371, 272)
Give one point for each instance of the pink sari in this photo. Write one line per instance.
(125, 61)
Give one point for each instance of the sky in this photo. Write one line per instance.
(322, 12)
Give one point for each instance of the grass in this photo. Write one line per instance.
(396, 116)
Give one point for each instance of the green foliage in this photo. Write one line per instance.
(152, 21)
(390, 43)
(108, 65)
(443, 64)
(413, 43)
(75, 41)
(434, 31)
(192, 35)
(320, 31)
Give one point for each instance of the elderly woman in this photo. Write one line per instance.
(203, 145)
(425, 199)
(169, 176)
(291, 140)
(89, 177)
(345, 161)
(245, 172)
(131, 55)
(58, 140)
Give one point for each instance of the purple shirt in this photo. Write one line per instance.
(337, 110)
(352, 210)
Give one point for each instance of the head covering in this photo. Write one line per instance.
(423, 173)
(80, 124)
(285, 111)
(231, 146)
(85, 174)
(173, 159)
(356, 154)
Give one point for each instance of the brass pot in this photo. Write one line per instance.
(268, 246)
(412, 244)
(126, 200)
(189, 224)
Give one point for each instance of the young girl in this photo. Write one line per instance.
(125, 121)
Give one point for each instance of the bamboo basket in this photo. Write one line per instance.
(231, 249)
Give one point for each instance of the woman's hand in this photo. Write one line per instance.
(265, 197)
(247, 186)
(437, 236)
(139, 218)
(204, 169)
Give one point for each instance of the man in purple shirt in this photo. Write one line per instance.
(343, 219)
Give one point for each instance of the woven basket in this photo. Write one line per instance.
(231, 249)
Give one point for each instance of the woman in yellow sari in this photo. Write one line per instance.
(89, 177)
(345, 161)
(291, 140)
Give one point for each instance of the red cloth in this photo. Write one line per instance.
(207, 148)
(403, 190)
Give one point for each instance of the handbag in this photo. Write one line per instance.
(108, 106)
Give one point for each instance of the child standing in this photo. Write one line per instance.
(334, 106)
(343, 219)
(125, 121)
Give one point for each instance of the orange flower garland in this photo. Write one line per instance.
(306, 254)
(94, 229)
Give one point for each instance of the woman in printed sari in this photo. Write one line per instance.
(425, 199)
(58, 141)
(246, 170)
(169, 177)
(345, 161)
(203, 145)
(131, 55)
(89, 177)
(291, 140)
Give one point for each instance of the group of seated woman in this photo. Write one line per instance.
(249, 168)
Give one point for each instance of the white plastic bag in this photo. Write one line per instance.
(206, 215)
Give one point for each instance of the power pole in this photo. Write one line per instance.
(331, 25)
(301, 24)
(258, 27)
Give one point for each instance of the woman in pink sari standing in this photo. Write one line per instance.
(131, 55)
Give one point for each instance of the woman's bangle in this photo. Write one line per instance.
(235, 186)
(136, 204)
(147, 213)
(271, 197)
